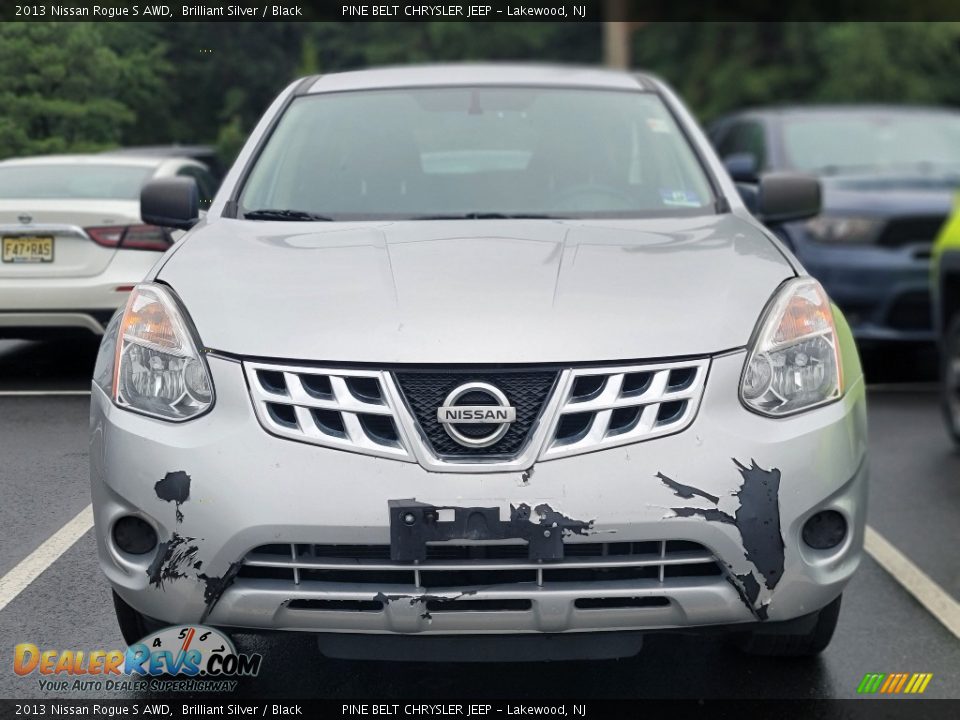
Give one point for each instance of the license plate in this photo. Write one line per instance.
(28, 249)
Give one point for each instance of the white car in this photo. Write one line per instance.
(72, 244)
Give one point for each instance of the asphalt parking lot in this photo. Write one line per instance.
(914, 506)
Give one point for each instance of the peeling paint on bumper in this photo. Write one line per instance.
(248, 489)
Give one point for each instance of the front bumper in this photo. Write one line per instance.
(249, 489)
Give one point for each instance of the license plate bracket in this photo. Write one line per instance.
(414, 524)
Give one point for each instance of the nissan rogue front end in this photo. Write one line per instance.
(477, 362)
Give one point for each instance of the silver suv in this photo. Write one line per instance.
(480, 362)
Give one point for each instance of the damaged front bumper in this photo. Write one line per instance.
(695, 529)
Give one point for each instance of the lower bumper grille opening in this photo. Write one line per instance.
(600, 574)
(489, 577)
(694, 570)
(619, 602)
(337, 605)
(266, 573)
(374, 577)
(469, 578)
(437, 606)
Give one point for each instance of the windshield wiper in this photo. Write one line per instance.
(490, 216)
(292, 215)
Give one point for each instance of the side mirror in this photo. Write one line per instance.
(743, 167)
(787, 197)
(170, 202)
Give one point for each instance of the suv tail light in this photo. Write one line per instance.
(132, 237)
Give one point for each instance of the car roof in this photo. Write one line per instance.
(89, 159)
(840, 109)
(505, 74)
(166, 151)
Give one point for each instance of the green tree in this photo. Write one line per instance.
(890, 62)
(76, 86)
(66, 89)
(721, 66)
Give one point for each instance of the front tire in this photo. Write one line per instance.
(950, 378)
(770, 641)
(134, 626)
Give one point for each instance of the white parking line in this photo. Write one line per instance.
(934, 598)
(41, 393)
(30, 568)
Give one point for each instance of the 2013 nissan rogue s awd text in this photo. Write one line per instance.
(474, 362)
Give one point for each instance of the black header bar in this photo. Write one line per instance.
(634, 11)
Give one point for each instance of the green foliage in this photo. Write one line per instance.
(66, 88)
(230, 140)
(719, 67)
(891, 62)
(81, 86)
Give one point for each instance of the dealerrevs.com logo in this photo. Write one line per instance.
(191, 658)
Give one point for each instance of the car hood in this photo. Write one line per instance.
(889, 195)
(476, 291)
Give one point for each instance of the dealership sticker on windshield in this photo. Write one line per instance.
(658, 125)
(679, 198)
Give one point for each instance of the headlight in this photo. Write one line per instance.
(833, 229)
(158, 370)
(794, 363)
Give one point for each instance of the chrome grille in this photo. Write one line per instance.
(605, 407)
(589, 408)
(346, 409)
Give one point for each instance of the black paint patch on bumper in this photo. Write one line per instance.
(175, 488)
(172, 558)
(757, 519)
(214, 587)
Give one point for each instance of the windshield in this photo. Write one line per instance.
(834, 142)
(72, 181)
(476, 152)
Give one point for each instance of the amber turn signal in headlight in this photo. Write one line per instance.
(158, 370)
(794, 362)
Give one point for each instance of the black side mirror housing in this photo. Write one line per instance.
(170, 202)
(787, 197)
(743, 167)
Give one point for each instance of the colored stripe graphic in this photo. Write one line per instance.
(887, 683)
(903, 680)
(894, 683)
(870, 683)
